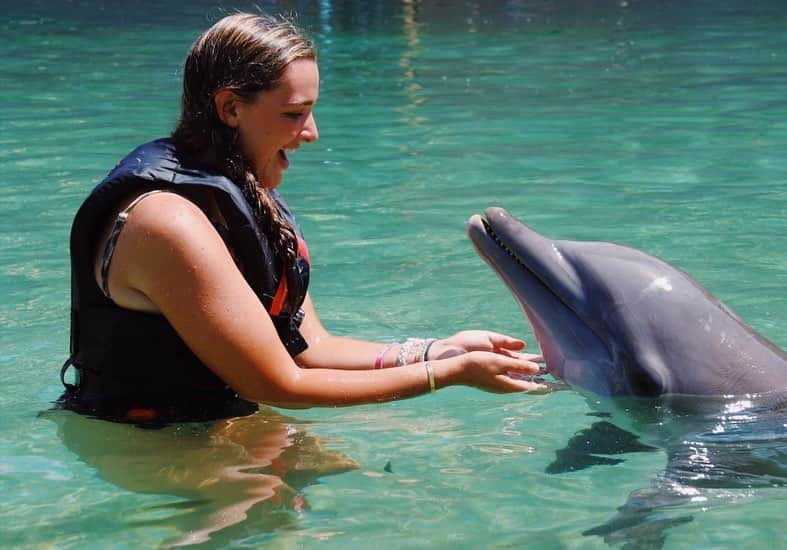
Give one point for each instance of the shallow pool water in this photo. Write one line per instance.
(661, 125)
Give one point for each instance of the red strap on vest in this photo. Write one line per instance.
(278, 299)
(281, 290)
(303, 250)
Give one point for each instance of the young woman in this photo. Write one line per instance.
(190, 275)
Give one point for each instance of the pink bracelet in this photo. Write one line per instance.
(378, 362)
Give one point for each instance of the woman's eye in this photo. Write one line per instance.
(294, 116)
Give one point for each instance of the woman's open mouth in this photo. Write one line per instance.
(283, 160)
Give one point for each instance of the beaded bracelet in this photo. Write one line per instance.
(404, 351)
(413, 350)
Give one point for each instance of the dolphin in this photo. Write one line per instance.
(616, 321)
(664, 363)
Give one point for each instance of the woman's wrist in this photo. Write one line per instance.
(444, 368)
(449, 372)
(440, 349)
(379, 361)
(429, 343)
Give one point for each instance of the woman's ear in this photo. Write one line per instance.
(226, 103)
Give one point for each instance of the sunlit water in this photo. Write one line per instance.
(660, 126)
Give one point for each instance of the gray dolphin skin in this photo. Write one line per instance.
(617, 321)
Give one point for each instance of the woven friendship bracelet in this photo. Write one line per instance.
(404, 352)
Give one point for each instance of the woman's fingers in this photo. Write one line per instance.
(534, 357)
(521, 366)
(515, 384)
(503, 341)
(497, 372)
(499, 363)
(520, 375)
(484, 340)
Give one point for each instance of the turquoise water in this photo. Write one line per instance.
(662, 126)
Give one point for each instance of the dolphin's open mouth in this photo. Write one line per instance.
(481, 232)
(496, 250)
(544, 284)
(525, 284)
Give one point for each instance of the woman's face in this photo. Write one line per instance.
(278, 121)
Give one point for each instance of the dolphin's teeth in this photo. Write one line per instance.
(491, 233)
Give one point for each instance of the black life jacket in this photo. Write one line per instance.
(132, 365)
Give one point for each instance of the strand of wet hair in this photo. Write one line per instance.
(220, 146)
(267, 214)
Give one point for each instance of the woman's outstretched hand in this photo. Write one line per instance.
(491, 361)
(476, 340)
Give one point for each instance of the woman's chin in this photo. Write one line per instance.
(270, 180)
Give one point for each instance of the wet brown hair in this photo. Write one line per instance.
(248, 54)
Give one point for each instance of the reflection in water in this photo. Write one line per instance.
(225, 469)
(409, 56)
(718, 449)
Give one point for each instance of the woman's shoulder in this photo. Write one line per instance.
(151, 231)
(164, 216)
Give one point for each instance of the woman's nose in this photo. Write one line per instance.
(309, 131)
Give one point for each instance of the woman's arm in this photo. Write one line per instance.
(170, 253)
(336, 352)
